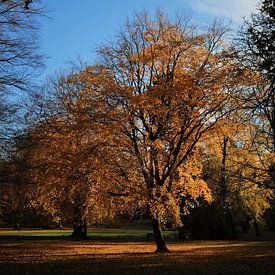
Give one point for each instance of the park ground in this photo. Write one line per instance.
(111, 251)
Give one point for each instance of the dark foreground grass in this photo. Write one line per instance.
(30, 257)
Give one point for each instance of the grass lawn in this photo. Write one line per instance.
(63, 256)
(92, 233)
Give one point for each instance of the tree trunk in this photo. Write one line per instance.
(257, 231)
(182, 229)
(80, 231)
(223, 179)
(230, 231)
(229, 226)
(85, 236)
(79, 225)
(77, 231)
(182, 235)
(161, 246)
(245, 225)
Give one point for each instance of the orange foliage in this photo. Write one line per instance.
(129, 126)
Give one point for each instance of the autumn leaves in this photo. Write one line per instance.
(130, 132)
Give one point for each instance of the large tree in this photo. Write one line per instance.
(167, 84)
(153, 95)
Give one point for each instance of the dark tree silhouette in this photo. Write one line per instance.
(20, 60)
(257, 43)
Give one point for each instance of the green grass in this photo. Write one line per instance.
(92, 232)
(35, 233)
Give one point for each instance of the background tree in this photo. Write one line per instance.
(20, 57)
(12, 201)
(69, 155)
(15, 191)
(20, 60)
(257, 45)
(237, 176)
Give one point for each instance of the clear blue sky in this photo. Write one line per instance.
(77, 27)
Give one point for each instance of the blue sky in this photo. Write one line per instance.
(75, 28)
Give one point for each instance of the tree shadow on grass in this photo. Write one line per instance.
(189, 258)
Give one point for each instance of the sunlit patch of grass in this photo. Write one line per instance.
(93, 232)
(36, 233)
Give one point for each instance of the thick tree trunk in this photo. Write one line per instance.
(80, 231)
(77, 231)
(79, 225)
(161, 246)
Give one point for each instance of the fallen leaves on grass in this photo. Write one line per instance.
(65, 257)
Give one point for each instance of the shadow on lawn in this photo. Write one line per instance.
(64, 257)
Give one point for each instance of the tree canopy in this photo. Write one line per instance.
(134, 121)
(168, 118)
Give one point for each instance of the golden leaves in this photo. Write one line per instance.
(130, 125)
(236, 171)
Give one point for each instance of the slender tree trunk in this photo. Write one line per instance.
(245, 225)
(85, 236)
(182, 230)
(272, 117)
(223, 180)
(161, 246)
(257, 231)
(16, 226)
(229, 226)
(182, 235)
(230, 231)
